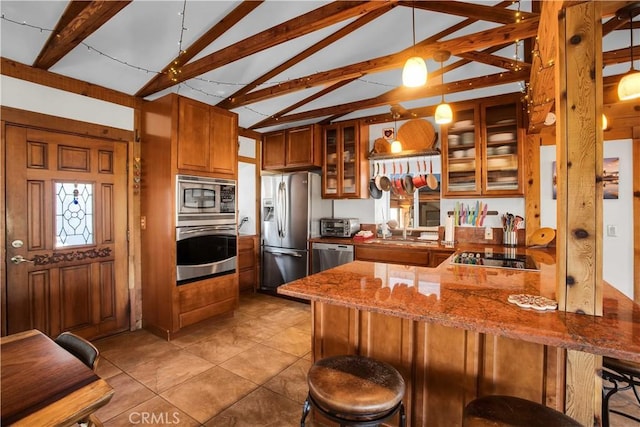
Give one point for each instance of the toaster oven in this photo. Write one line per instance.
(339, 227)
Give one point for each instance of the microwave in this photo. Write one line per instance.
(205, 201)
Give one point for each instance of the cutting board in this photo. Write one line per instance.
(417, 134)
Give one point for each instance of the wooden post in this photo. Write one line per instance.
(579, 176)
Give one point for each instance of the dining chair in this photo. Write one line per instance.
(88, 354)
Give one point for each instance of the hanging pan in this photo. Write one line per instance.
(374, 191)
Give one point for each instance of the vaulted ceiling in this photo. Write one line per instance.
(283, 63)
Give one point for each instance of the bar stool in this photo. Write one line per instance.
(624, 375)
(506, 411)
(354, 391)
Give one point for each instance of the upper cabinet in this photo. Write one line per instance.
(345, 168)
(292, 149)
(207, 139)
(482, 151)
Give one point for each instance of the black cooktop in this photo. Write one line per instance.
(499, 260)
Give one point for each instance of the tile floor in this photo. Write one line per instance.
(246, 370)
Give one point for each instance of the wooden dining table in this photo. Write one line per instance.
(42, 384)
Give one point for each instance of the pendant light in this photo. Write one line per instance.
(414, 73)
(396, 146)
(443, 114)
(629, 86)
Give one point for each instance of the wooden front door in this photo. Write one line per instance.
(66, 224)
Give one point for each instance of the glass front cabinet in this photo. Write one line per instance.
(482, 151)
(345, 169)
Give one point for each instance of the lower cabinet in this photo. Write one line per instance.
(402, 255)
(444, 368)
(247, 263)
(207, 298)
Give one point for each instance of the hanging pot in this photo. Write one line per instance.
(419, 180)
(374, 191)
(407, 182)
(382, 181)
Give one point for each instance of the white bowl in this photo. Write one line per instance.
(506, 136)
(468, 137)
(458, 154)
(471, 152)
(463, 124)
(503, 149)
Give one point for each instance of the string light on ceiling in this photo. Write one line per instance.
(443, 114)
(629, 86)
(414, 73)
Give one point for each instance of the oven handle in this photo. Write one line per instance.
(182, 232)
(293, 254)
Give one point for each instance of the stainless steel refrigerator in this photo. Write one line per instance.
(291, 206)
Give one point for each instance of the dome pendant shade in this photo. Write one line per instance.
(414, 73)
(396, 146)
(443, 114)
(629, 86)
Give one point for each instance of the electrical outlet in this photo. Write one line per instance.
(143, 222)
(488, 233)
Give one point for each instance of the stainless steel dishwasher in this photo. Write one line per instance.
(329, 255)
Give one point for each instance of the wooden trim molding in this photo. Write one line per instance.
(60, 124)
(636, 213)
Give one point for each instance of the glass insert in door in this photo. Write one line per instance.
(502, 148)
(331, 161)
(74, 214)
(349, 176)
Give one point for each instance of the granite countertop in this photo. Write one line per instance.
(475, 298)
(412, 242)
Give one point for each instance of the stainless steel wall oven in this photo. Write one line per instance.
(205, 251)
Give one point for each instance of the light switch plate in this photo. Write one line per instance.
(488, 233)
(612, 230)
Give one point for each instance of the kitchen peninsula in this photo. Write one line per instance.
(454, 336)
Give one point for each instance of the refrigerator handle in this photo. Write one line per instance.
(280, 209)
(285, 216)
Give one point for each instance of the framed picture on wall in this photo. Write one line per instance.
(610, 178)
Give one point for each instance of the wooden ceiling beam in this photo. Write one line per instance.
(230, 102)
(480, 40)
(226, 23)
(618, 56)
(315, 20)
(78, 21)
(404, 94)
(494, 60)
(308, 99)
(475, 11)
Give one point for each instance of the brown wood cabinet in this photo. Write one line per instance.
(297, 148)
(444, 368)
(166, 307)
(247, 262)
(482, 150)
(345, 165)
(207, 139)
(406, 255)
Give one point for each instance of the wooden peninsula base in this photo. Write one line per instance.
(453, 334)
(444, 367)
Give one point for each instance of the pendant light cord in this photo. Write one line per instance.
(631, 34)
(413, 23)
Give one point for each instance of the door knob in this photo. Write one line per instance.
(18, 259)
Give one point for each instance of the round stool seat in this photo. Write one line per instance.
(512, 411)
(355, 388)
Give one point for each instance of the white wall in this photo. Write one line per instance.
(618, 249)
(42, 99)
(247, 186)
